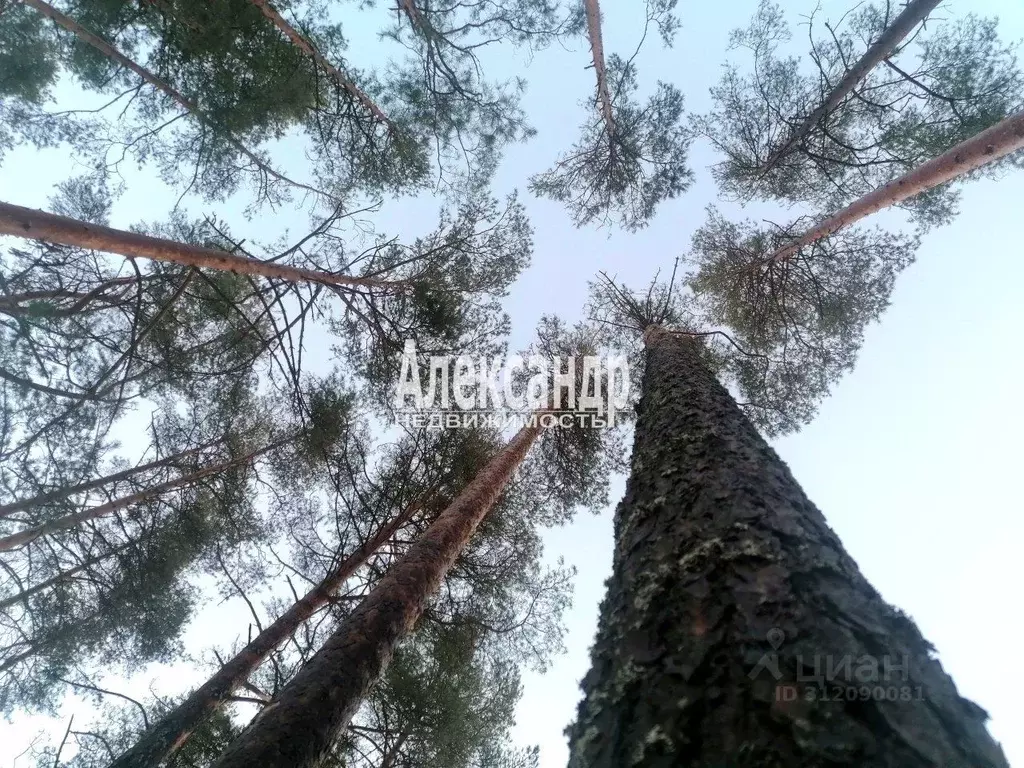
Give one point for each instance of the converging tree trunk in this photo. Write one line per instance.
(161, 740)
(736, 631)
(991, 144)
(915, 12)
(113, 54)
(51, 228)
(73, 520)
(7, 510)
(306, 46)
(604, 98)
(317, 705)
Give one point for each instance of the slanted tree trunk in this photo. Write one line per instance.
(7, 510)
(914, 12)
(991, 144)
(164, 738)
(73, 520)
(728, 588)
(113, 54)
(11, 304)
(604, 99)
(61, 577)
(314, 708)
(51, 228)
(306, 46)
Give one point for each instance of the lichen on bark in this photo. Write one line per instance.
(736, 631)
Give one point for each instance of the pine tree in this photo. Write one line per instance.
(721, 561)
(947, 83)
(631, 157)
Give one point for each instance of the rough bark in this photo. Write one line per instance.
(70, 490)
(991, 144)
(310, 50)
(604, 99)
(728, 591)
(313, 710)
(164, 738)
(914, 13)
(21, 538)
(113, 54)
(51, 228)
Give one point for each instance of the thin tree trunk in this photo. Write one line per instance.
(306, 46)
(164, 738)
(317, 705)
(991, 144)
(727, 589)
(60, 577)
(112, 53)
(392, 754)
(11, 303)
(604, 99)
(914, 13)
(70, 521)
(51, 228)
(61, 493)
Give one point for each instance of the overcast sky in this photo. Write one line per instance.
(915, 459)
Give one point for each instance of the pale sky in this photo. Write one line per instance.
(914, 459)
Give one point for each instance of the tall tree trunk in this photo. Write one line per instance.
(112, 53)
(306, 46)
(71, 521)
(914, 13)
(51, 228)
(317, 705)
(727, 589)
(61, 577)
(604, 99)
(164, 738)
(991, 144)
(70, 490)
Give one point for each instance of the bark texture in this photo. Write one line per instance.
(51, 228)
(728, 593)
(313, 710)
(991, 144)
(914, 13)
(168, 735)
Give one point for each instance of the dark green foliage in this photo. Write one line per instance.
(952, 80)
(795, 325)
(447, 291)
(27, 62)
(444, 702)
(620, 175)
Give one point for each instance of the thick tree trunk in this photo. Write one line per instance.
(991, 144)
(728, 593)
(70, 490)
(317, 705)
(71, 521)
(51, 228)
(604, 99)
(168, 735)
(113, 54)
(307, 47)
(914, 13)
